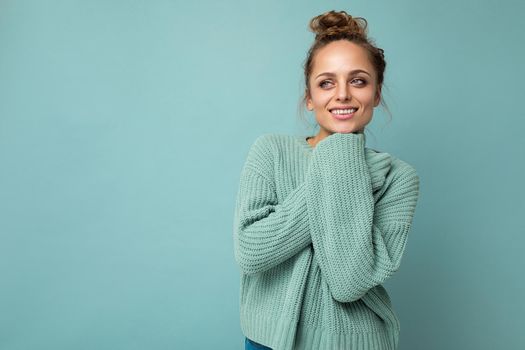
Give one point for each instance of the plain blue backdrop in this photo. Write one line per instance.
(124, 126)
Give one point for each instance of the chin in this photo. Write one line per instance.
(345, 130)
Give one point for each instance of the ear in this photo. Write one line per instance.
(309, 104)
(377, 99)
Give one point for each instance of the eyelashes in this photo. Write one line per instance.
(362, 82)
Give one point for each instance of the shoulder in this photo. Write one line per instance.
(403, 175)
(399, 167)
(272, 140)
(397, 199)
(268, 145)
(403, 168)
(262, 146)
(264, 141)
(262, 152)
(266, 150)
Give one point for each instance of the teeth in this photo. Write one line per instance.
(344, 111)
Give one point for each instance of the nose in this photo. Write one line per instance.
(343, 92)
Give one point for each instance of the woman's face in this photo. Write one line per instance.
(342, 77)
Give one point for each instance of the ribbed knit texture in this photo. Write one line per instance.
(317, 230)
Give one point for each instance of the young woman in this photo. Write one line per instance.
(322, 221)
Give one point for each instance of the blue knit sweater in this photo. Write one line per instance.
(317, 230)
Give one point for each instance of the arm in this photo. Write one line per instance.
(358, 243)
(266, 233)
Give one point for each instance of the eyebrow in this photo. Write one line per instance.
(330, 74)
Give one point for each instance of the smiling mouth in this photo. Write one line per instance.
(343, 110)
(343, 114)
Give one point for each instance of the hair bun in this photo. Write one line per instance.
(334, 23)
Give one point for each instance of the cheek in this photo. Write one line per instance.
(366, 97)
(320, 99)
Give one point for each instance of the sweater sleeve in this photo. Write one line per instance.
(358, 243)
(266, 233)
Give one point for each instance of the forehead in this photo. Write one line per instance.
(341, 56)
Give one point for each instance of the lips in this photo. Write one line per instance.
(343, 113)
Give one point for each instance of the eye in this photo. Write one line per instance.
(360, 81)
(323, 83)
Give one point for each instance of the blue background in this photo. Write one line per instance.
(124, 126)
